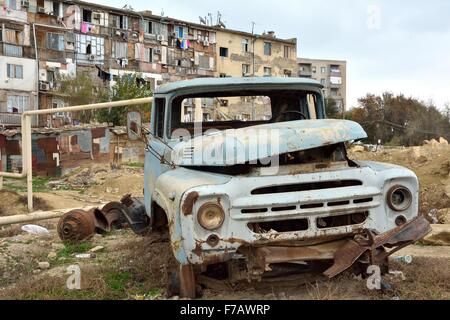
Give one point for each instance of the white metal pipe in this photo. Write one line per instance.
(103, 105)
(37, 216)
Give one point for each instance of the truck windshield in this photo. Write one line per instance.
(222, 111)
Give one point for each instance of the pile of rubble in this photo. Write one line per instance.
(92, 176)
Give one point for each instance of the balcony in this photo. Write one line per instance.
(14, 119)
(13, 15)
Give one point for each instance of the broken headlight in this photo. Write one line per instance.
(211, 216)
(399, 198)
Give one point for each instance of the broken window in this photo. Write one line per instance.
(148, 54)
(223, 52)
(148, 27)
(267, 72)
(87, 15)
(267, 48)
(86, 44)
(119, 50)
(14, 71)
(56, 8)
(18, 104)
(55, 41)
(245, 45)
(119, 22)
(287, 52)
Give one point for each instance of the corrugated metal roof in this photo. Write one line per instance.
(246, 82)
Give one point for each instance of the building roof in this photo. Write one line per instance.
(310, 60)
(236, 82)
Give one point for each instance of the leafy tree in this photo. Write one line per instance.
(400, 120)
(126, 87)
(80, 90)
(331, 109)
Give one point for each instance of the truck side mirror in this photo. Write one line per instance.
(134, 125)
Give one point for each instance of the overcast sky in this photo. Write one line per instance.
(399, 46)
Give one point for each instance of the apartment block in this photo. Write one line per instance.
(331, 73)
(42, 40)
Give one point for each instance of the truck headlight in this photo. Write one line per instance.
(399, 198)
(210, 216)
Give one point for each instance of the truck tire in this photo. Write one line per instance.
(182, 282)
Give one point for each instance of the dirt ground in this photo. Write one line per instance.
(127, 266)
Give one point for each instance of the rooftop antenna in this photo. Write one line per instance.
(202, 20)
(253, 27)
(162, 12)
(210, 19)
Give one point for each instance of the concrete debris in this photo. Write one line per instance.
(96, 249)
(440, 236)
(396, 273)
(433, 215)
(44, 265)
(34, 229)
(52, 255)
(443, 216)
(85, 256)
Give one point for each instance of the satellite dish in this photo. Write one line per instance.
(71, 17)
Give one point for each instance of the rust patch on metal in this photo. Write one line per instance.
(188, 204)
(377, 245)
(76, 226)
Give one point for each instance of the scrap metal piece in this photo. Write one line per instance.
(376, 245)
(76, 226)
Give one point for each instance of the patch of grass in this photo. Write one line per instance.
(39, 184)
(155, 292)
(70, 249)
(135, 165)
(118, 281)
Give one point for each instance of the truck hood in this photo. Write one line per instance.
(263, 142)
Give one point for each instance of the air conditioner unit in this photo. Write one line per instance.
(24, 3)
(160, 37)
(44, 86)
(97, 15)
(157, 51)
(41, 10)
(91, 57)
(118, 33)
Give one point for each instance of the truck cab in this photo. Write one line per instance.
(249, 173)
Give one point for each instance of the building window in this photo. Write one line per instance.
(11, 4)
(180, 32)
(15, 71)
(148, 55)
(12, 50)
(119, 22)
(13, 36)
(223, 52)
(245, 69)
(86, 44)
(119, 50)
(287, 73)
(267, 48)
(287, 52)
(56, 8)
(18, 104)
(148, 27)
(87, 15)
(323, 81)
(314, 69)
(55, 41)
(223, 75)
(323, 70)
(267, 72)
(245, 45)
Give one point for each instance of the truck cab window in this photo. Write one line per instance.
(160, 110)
